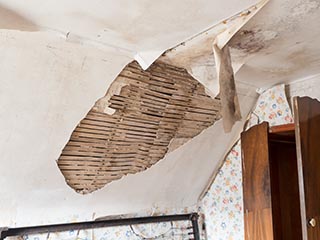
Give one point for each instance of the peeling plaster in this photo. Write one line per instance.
(274, 46)
(52, 77)
(152, 108)
(196, 54)
(102, 104)
(230, 109)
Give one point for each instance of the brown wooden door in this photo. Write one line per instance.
(307, 121)
(256, 183)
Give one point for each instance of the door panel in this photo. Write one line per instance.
(256, 183)
(307, 120)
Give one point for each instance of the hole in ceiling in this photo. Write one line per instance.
(152, 113)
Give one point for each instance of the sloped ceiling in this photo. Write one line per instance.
(69, 54)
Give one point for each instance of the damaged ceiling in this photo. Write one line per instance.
(144, 115)
(59, 58)
(278, 44)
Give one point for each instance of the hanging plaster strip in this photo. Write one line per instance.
(230, 110)
(222, 39)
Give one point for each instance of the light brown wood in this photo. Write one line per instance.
(258, 224)
(256, 183)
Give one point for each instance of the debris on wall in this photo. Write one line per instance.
(155, 111)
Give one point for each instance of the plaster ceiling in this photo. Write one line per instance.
(141, 28)
(69, 54)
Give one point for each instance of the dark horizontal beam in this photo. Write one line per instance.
(21, 231)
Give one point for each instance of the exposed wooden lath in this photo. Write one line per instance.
(155, 110)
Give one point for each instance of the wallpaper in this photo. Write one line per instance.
(222, 204)
(221, 207)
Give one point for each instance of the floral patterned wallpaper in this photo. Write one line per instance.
(221, 206)
(273, 107)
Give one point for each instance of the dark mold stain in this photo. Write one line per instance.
(251, 41)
